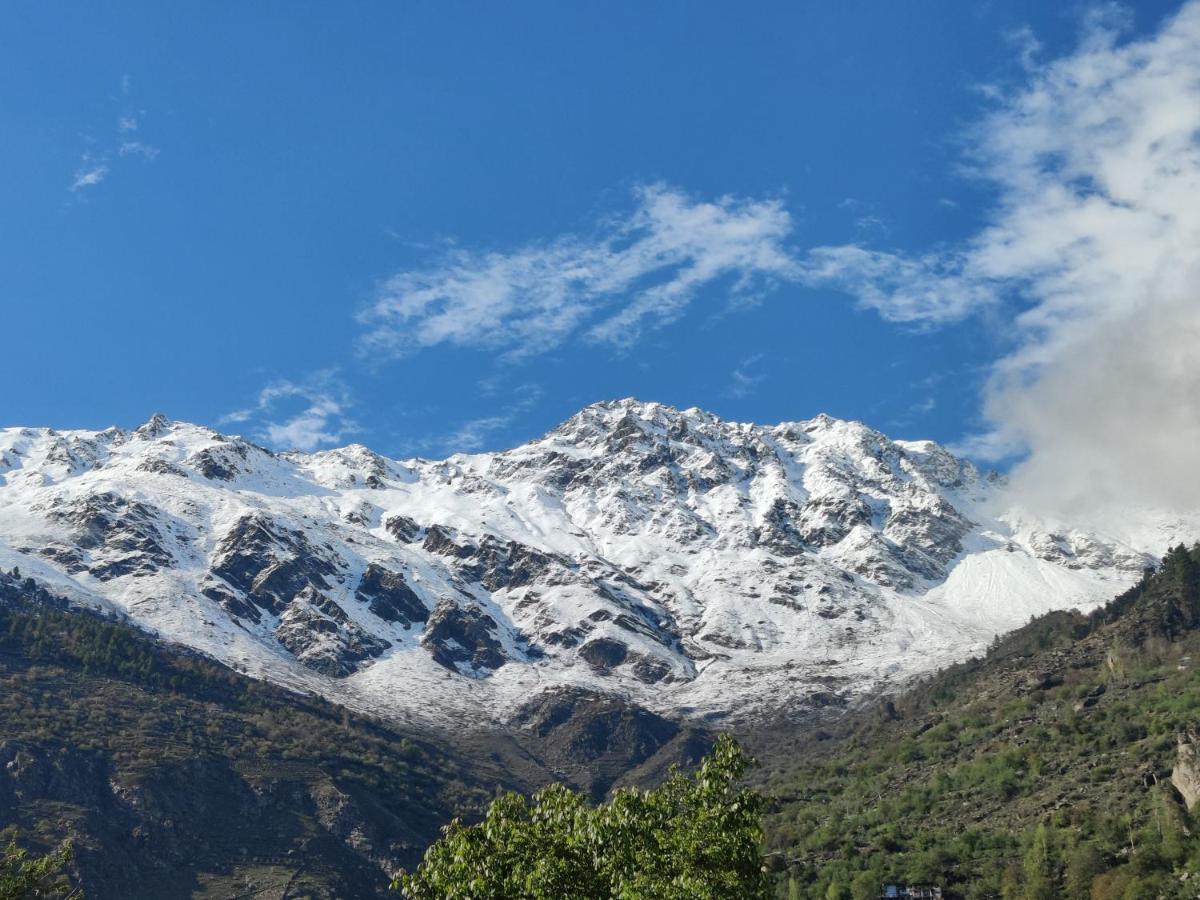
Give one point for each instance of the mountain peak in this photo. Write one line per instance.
(156, 426)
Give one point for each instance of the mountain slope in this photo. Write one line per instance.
(690, 564)
(1056, 759)
(176, 777)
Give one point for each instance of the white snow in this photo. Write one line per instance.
(683, 523)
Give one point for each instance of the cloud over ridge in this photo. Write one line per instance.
(1097, 160)
(1089, 261)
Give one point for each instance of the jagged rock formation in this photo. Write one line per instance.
(1186, 773)
(699, 566)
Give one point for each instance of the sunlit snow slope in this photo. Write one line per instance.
(696, 565)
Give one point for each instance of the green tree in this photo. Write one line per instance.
(26, 877)
(1039, 866)
(693, 838)
(1084, 864)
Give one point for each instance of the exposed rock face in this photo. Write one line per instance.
(161, 467)
(1186, 774)
(389, 596)
(463, 639)
(269, 564)
(280, 572)
(122, 536)
(501, 565)
(220, 465)
(604, 654)
(403, 528)
(319, 634)
(697, 564)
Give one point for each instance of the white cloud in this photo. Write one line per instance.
(299, 415)
(308, 429)
(932, 289)
(88, 175)
(1095, 241)
(642, 271)
(635, 273)
(137, 148)
(475, 434)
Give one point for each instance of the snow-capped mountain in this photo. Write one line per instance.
(691, 564)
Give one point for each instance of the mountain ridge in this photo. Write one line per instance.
(689, 564)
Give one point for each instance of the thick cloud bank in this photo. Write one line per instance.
(1098, 161)
(1094, 246)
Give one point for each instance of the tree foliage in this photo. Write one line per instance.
(693, 838)
(24, 876)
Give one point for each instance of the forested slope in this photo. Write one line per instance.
(1042, 770)
(177, 777)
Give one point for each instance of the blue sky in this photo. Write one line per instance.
(431, 227)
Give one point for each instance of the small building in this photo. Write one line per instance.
(911, 892)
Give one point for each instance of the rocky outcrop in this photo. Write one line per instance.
(463, 639)
(604, 654)
(122, 536)
(403, 528)
(1186, 773)
(389, 596)
(269, 563)
(263, 566)
(219, 464)
(319, 634)
(499, 565)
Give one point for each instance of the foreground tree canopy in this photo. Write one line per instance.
(693, 838)
(25, 877)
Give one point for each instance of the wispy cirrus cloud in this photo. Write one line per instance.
(303, 415)
(89, 173)
(640, 271)
(744, 378)
(119, 142)
(635, 273)
(927, 290)
(476, 433)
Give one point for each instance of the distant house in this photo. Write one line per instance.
(911, 892)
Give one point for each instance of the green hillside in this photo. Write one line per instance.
(1042, 770)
